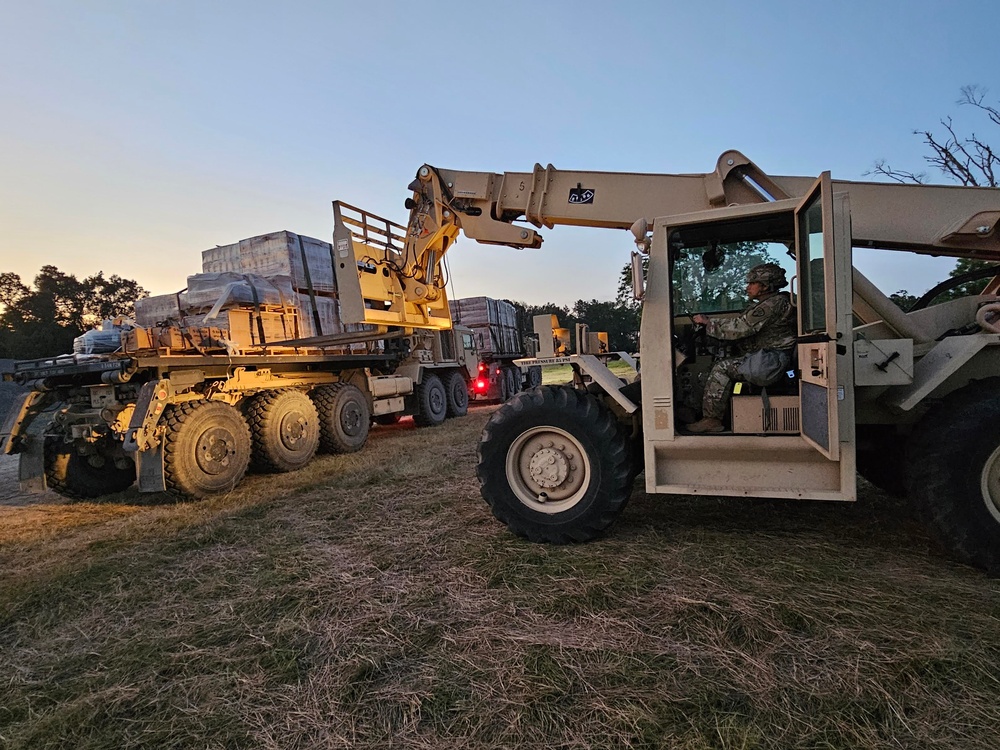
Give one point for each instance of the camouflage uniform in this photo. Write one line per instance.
(767, 324)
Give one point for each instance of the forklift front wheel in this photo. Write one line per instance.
(554, 465)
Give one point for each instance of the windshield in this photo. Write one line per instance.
(712, 278)
(709, 261)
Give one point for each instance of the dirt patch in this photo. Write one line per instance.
(10, 489)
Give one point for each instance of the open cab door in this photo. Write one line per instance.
(825, 323)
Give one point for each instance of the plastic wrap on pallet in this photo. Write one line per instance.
(276, 254)
(150, 311)
(103, 340)
(234, 289)
(328, 310)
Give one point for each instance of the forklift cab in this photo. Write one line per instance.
(793, 441)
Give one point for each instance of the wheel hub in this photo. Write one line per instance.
(990, 484)
(215, 450)
(350, 419)
(293, 429)
(549, 468)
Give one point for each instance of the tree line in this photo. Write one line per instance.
(42, 320)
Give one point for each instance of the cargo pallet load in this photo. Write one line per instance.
(497, 335)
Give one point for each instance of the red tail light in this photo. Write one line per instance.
(481, 385)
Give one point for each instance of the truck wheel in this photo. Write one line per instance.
(432, 402)
(457, 392)
(83, 477)
(554, 465)
(513, 375)
(344, 417)
(534, 376)
(206, 448)
(954, 473)
(284, 429)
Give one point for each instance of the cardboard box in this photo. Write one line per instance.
(304, 259)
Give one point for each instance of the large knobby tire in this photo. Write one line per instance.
(954, 473)
(881, 458)
(83, 477)
(344, 418)
(284, 428)
(554, 465)
(457, 393)
(432, 402)
(206, 448)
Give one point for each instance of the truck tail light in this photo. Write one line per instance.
(481, 385)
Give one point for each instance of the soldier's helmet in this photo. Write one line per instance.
(770, 275)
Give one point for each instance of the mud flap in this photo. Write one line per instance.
(31, 468)
(149, 469)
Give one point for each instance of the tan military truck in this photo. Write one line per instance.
(188, 404)
(911, 399)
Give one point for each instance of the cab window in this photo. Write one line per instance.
(709, 263)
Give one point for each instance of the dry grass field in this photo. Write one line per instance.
(371, 601)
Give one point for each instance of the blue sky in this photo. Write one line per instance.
(135, 134)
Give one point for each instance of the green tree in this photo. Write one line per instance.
(43, 320)
(903, 299)
(620, 322)
(526, 314)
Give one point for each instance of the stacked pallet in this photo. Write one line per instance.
(308, 262)
(263, 290)
(496, 322)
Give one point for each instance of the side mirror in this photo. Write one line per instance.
(640, 230)
(638, 278)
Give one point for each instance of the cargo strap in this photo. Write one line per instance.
(309, 286)
(257, 315)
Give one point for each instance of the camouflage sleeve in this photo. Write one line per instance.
(750, 321)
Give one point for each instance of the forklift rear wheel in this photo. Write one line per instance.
(344, 417)
(954, 473)
(81, 477)
(206, 448)
(554, 465)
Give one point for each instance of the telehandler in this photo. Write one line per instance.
(911, 400)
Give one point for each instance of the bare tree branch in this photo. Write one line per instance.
(967, 160)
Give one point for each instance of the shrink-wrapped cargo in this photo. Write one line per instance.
(150, 311)
(103, 340)
(306, 260)
(205, 290)
(494, 321)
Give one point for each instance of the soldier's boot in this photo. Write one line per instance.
(708, 424)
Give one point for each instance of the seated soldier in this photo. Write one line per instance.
(768, 323)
